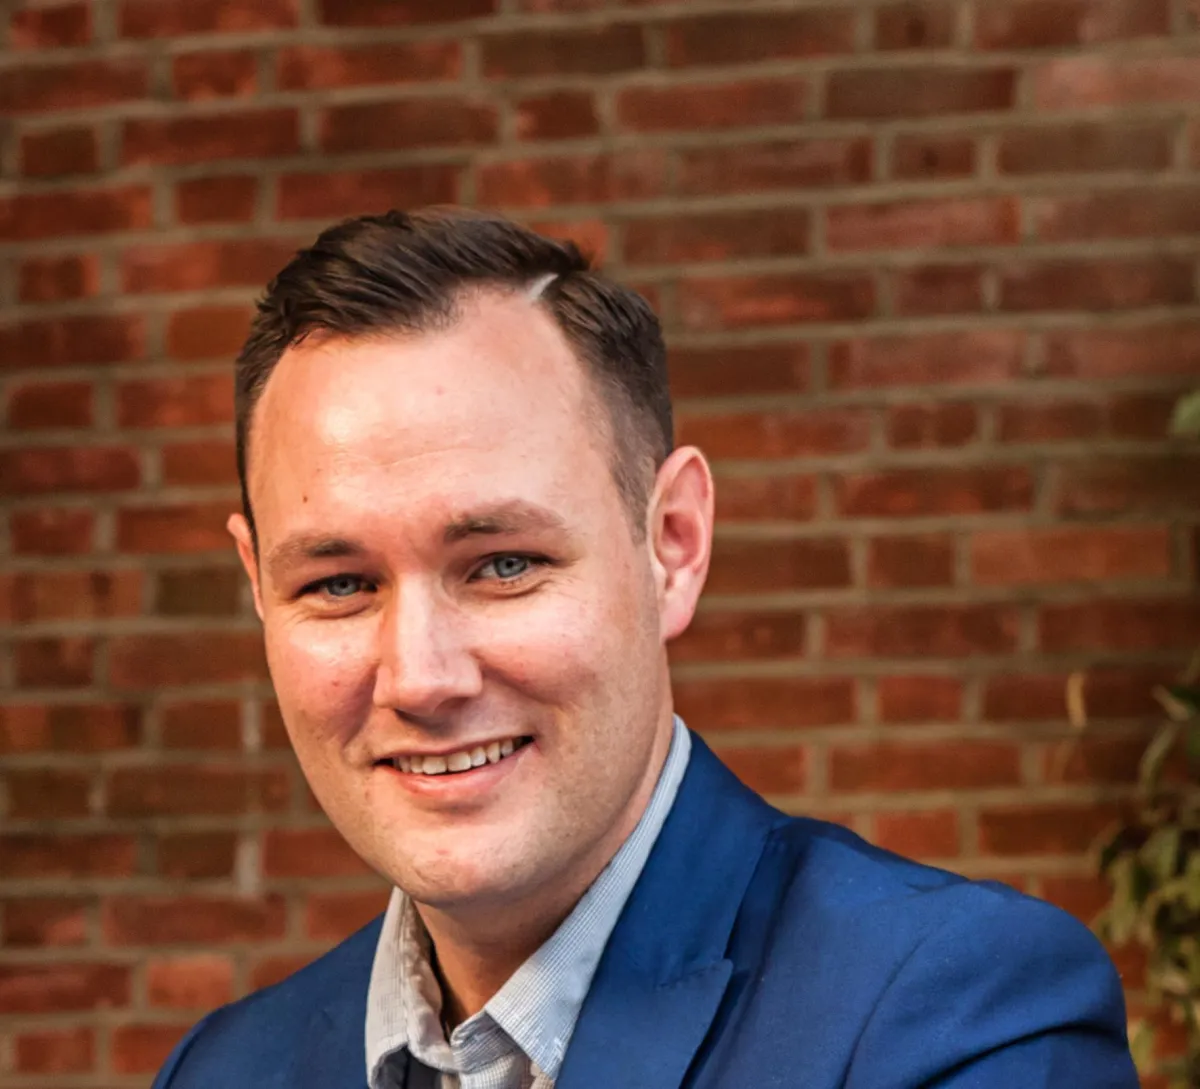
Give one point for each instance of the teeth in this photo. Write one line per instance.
(458, 761)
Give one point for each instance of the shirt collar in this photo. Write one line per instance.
(540, 1004)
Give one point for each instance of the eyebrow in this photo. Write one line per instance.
(506, 518)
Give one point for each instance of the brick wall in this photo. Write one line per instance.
(930, 276)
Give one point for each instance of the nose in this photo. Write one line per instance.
(425, 664)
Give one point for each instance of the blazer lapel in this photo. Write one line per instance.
(664, 971)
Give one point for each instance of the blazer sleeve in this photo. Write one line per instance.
(1008, 991)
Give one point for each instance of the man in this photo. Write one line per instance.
(470, 542)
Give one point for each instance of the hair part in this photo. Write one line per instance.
(408, 273)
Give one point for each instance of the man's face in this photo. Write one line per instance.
(445, 567)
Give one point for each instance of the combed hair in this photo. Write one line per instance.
(407, 272)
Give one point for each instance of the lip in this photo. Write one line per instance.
(456, 786)
(464, 746)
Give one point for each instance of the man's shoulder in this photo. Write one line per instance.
(261, 1031)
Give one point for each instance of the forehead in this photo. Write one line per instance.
(497, 395)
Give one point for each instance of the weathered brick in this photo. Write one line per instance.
(713, 106)
(915, 25)
(147, 662)
(223, 199)
(595, 51)
(171, 18)
(41, 469)
(211, 74)
(775, 770)
(314, 67)
(913, 767)
(931, 426)
(30, 217)
(402, 12)
(911, 560)
(176, 141)
(202, 462)
(919, 698)
(55, 1051)
(883, 93)
(781, 164)
(722, 302)
(903, 631)
(555, 115)
(56, 27)
(181, 528)
(737, 368)
(37, 405)
(941, 223)
(937, 289)
(763, 435)
(65, 987)
(354, 192)
(1019, 557)
(67, 341)
(44, 923)
(743, 567)
(1121, 284)
(927, 155)
(766, 702)
(753, 37)
(1019, 24)
(52, 531)
(1086, 147)
(921, 834)
(409, 123)
(59, 152)
(80, 84)
(142, 1049)
(625, 175)
(717, 236)
(58, 278)
(980, 357)
(719, 635)
(913, 493)
(209, 332)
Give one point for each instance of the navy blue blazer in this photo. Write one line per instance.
(757, 950)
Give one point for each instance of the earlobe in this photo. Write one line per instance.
(239, 530)
(681, 525)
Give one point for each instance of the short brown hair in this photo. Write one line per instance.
(406, 272)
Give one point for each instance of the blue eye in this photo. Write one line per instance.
(341, 585)
(508, 567)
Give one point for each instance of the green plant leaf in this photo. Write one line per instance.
(1150, 770)
(1186, 419)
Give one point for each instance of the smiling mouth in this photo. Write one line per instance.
(456, 763)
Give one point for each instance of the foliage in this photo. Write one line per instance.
(1152, 861)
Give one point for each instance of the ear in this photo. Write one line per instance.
(239, 529)
(679, 529)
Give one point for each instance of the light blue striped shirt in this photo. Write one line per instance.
(518, 1040)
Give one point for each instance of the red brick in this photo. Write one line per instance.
(775, 770)
(712, 106)
(1083, 897)
(30, 217)
(176, 18)
(915, 26)
(179, 529)
(211, 74)
(333, 916)
(1048, 421)
(777, 566)
(1095, 758)
(75, 595)
(1086, 147)
(935, 631)
(740, 369)
(929, 155)
(70, 727)
(41, 923)
(180, 789)
(57, 27)
(354, 192)
(38, 470)
(931, 426)
(58, 278)
(47, 793)
(1140, 416)
(175, 141)
(51, 663)
(917, 493)
(788, 498)
(555, 115)
(1018, 24)
(202, 981)
(60, 151)
(595, 51)
(159, 661)
(1129, 213)
(402, 12)
(271, 970)
(62, 988)
(225, 199)
(765, 702)
(922, 835)
(1119, 625)
(919, 699)
(58, 854)
(1031, 556)
(911, 560)
(52, 531)
(203, 725)
(55, 1051)
(312, 68)
(781, 299)
(753, 37)
(176, 402)
(723, 636)
(937, 289)
(79, 85)
(786, 434)
(213, 332)
(919, 224)
(1145, 484)
(200, 463)
(1112, 692)
(36, 405)
(408, 123)
(142, 1049)
(1130, 352)
(902, 767)
(212, 591)
(196, 266)
(782, 164)
(584, 179)
(1048, 829)
(187, 920)
(196, 856)
(67, 341)
(309, 852)
(717, 236)
(928, 91)
(980, 357)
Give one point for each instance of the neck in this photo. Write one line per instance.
(477, 948)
